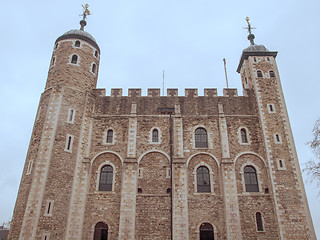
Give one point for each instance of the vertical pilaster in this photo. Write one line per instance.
(129, 182)
(33, 208)
(80, 179)
(233, 225)
(180, 179)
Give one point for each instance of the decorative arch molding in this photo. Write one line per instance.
(205, 153)
(249, 153)
(112, 152)
(153, 150)
(215, 231)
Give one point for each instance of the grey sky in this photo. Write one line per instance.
(140, 38)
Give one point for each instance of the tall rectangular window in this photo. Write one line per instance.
(49, 208)
(69, 143)
(71, 115)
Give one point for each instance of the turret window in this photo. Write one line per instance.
(53, 61)
(271, 73)
(96, 53)
(56, 46)
(77, 44)
(93, 68)
(74, 59)
(259, 74)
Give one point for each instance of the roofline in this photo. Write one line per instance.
(245, 56)
(76, 36)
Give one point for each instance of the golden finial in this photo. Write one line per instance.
(86, 12)
(250, 36)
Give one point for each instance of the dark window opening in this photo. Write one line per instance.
(53, 61)
(71, 115)
(244, 138)
(94, 66)
(280, 163)
(101, 231)
(206, 231)
(268, 59)
(56, 46)
(106, 178)
(168, 190)
(246, 80)
(277, 138)
(272, 73)
(266, 190)
(69, 143)
(259, 222)
(251, 180)
(203, 179)
(77, 44)
(201, 139)
(271, 108)
(139, 190)
(96, 53)
(49, 206)
(155, 135)
(259, 73)
(255, 59)
(74, 59)
(109, 136)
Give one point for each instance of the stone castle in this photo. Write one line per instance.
(160, 167)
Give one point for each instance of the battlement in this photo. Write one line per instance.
(171, 92)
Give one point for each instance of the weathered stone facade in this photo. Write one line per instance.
(153, 194)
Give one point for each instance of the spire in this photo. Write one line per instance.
(86, 12)
(250, 36)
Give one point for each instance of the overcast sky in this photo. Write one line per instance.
(141, 38)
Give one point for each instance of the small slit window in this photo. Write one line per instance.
(93, 68)
(271, 108)
(244, 137)
(69, 142)
(77, 44)
(109, 136)
(255, 59)
(206, 231)
(271, 73)
(49, 208)
(251, 180)
(29, 169)
(277, 138)
(56, 46)
(106, 178)
(140, 173)
(74, 59)
(53, 61)
(71, 115)
(200, 137)
(259, 222)
(96, 53)
(259, 73)
(203, 180)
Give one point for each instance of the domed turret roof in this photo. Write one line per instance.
(256, 48)
(79, 34)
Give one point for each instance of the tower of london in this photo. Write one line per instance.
(160, 167)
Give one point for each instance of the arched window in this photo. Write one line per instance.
(200, 137)
(53, 61)
(77, 44)
(203, 179)
(106, 178)
(96, 53)
(155, 135)
(206, 231)
(109, 136)
(250, 179)
(259, 222)
(271, 73)
(244, 137)
(93, 69)
(101, 231)
(56, 46)
(259, 73)
(74, 59)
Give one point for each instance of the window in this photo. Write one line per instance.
(155, 135)
(281, 164)
(101, 231)
(140, 172)
(200, 136)
(77, 44)
(69, 142)
(168, 173)
(94, 67)
(251, 180)
(244, 137)
(268, 59)
(206, 231)
(203, 179)
(109, 136)
(29, 169)
(45, 236)
(74, 59)
(49, 207)
(53, 61)
(259, 222)
(271, 73)
(96, 53)
(259, 73)
(271, 108)
(277, 138)
(139, 190)
(255, 59)
(56, 46)
(106, 178)
(71, 116)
